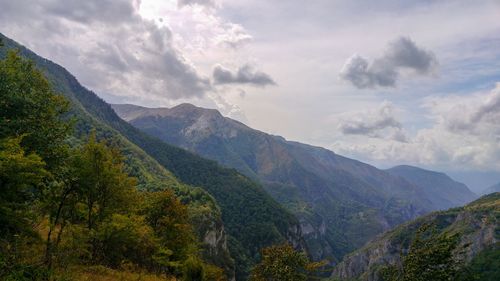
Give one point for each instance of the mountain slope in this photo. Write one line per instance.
(251, 218)
(477, 223)
(443, 191)
(492, 189)
(204, 211)
(341, 203)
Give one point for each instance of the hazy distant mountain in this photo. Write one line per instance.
(341, 203)
(492, 189)
(442, 190)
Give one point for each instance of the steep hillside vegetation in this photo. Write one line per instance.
(477, 226)
(341, 203)
(69, 204)
(443, 191)
(251, 218)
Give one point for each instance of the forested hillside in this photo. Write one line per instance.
(250, 217)
(69, 205)
(341, 203)
(456, 244)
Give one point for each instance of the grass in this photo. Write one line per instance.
(101, 273)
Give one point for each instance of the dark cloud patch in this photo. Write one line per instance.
(244, 75)
(107, 45)
(385, 71)
(379, 124)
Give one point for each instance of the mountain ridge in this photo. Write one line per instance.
(442, 190)
(491, 189)
(341, 202)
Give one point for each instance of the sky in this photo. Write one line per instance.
(385, 82)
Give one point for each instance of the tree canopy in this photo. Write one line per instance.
(73, 203)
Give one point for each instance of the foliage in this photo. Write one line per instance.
(29, 107)
(486, 265)
(90, 113)
(283, 263)
(101, 273)
(104, 187)
(430, 257)
(81, 199)
(169, 218)
(21, 176)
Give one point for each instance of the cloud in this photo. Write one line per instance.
(235, 36)
(244, 75)
(206, 3)
(89, 11)
(108, 45)
(228, 109)
(380, 123)
(464, 135)
(401, 54)
(479, 116)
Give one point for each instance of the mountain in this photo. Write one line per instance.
(341, 203)
(233, 215)
(443, 191)
(492, 189)
(477, 224)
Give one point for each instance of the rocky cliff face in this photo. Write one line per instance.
(477, 223)
(214, 242)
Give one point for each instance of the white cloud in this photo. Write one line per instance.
(302, 46)
(228, 109)
(379, 123)
(465, 136)
(481, 117)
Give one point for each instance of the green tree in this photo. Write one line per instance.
(486, 265)
(104, 186)
(125, 238)
(21, 176)
(29, 107)
(283, 263)
(430, 257)
(170, 220)
(32, 113)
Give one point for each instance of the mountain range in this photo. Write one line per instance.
(246, 189)
(341, 203)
